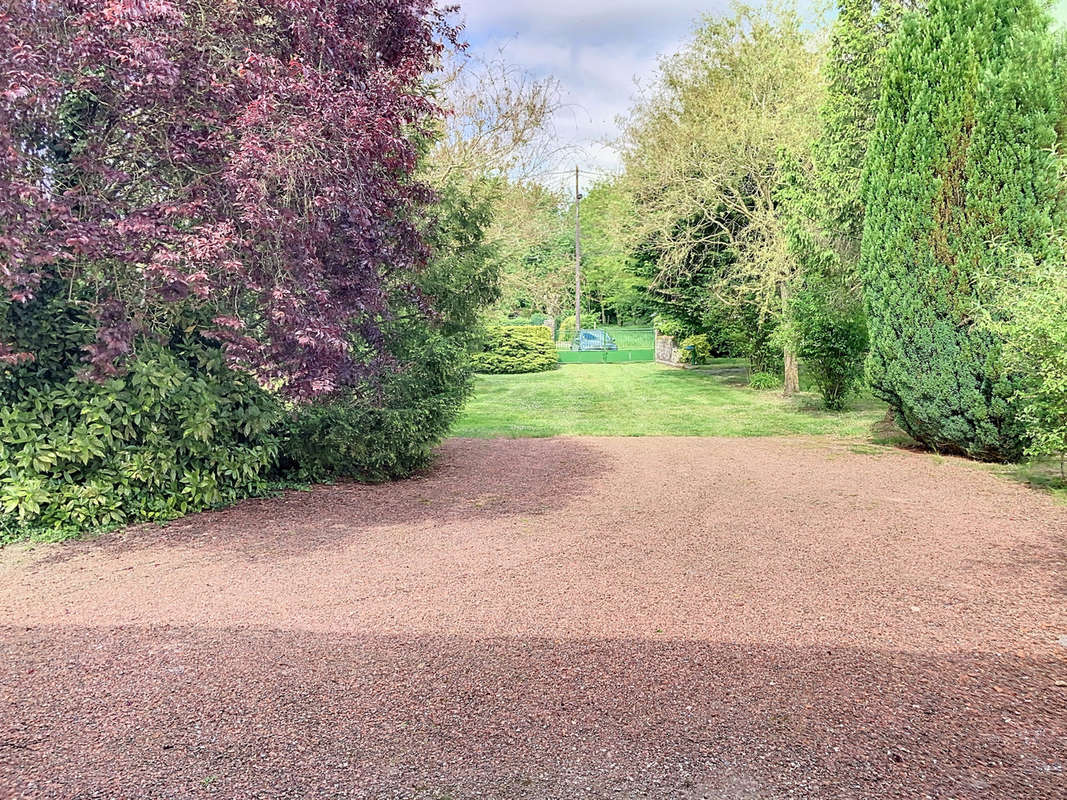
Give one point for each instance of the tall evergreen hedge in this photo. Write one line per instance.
(961, 177)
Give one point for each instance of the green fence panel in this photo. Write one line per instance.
(621, 356)
(581, 357)
(605, 356)
(634, 344)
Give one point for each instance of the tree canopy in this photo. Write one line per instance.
(180, 163)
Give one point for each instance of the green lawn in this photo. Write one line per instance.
(648, 400)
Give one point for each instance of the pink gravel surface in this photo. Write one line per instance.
(558, 618)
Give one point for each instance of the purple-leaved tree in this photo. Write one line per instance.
(242, 168)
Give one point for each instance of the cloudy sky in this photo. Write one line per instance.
(595, 48)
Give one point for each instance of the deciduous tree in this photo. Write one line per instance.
(704, 151)
(241, 168)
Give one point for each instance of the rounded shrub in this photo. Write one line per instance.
(668, 326)
(516, 349)
(695, 349)
(830, 328)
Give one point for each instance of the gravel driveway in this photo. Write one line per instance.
(558, 618)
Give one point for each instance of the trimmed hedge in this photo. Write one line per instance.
(511, 349)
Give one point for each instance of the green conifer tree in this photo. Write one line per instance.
(961, 176)
(854, 64)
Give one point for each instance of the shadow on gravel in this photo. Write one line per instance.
(134, 712)
(470, 479)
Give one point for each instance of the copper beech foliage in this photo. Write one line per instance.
(243, 165)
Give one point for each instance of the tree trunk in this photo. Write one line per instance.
(792, 373)
(791, 383)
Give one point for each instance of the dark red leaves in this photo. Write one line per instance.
(253, 160)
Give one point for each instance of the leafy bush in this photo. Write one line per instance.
(567, 331)
(384, 429)
(512, 349)
(764, 381)
(830, 328)
(695, 349)
(1035, 326)
(668, 326)
(753, 335)
(179, 432)
(963, 155)
(387, 426)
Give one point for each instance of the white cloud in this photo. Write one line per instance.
(587, 20)
(595, 48)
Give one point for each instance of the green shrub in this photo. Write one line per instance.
(514, 349)
(830, 328)
(668, 326)
(566, 331)
(1035, 326)
(764, 381)
(52, 328)
(386, 428)
(695, 349)
(961, 173)
(179, 432)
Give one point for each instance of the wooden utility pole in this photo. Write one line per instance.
(577, 258)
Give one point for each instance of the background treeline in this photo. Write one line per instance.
(880, 198)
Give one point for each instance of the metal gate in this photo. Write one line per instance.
(608, 345)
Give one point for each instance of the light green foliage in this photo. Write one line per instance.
(648, 400)
(669, 326)
(535, 231)
(567, 329)
(534, 319)
(961, 174)
(695, 349)
(516, 349)
(1034, 322)
(764, 381)
(703, 151)
(610, 289)
(179, 432)
(534, 242)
